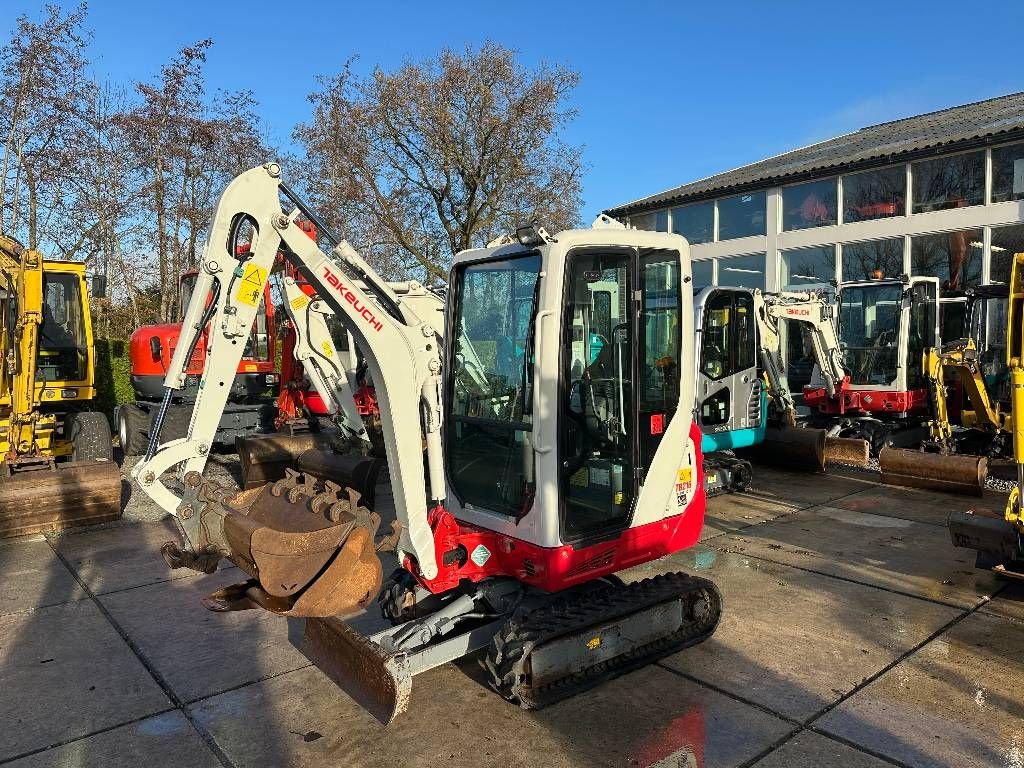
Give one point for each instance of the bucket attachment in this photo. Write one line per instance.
(791, 448)
(934, 471)
(307, 544)
(996, 540)
(847, 450)
(264, 458)
(47, 496)
(357, 472)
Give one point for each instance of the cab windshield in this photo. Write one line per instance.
(869, 317)
(490, 456)
(62, 347)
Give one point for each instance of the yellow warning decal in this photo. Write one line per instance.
(326, 347)
(594, 643)
(250, 287)
(683, 476)
(299, 302)
(250, 368)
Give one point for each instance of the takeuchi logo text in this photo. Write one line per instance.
(347, 295)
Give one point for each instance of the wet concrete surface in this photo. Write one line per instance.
(888, 552)
(777, 644)
(853, 634)
(957, 702)
(920, 506)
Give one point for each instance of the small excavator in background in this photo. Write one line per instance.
(999, 541)
(57, 467)
(744, 401)
(529, 458)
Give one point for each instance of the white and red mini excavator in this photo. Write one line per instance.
(539, 443)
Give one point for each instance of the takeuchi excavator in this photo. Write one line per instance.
(529, 462)
(56, 458)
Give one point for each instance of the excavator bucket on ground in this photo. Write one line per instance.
(307, 545)
(791, 447)
(52, 496)
(918, 469)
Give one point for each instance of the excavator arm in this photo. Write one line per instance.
(814, 313)
(21, 277)
(400, 346)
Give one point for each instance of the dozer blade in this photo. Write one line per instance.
(308, 546)
(934, 471)
(378, 681)
(264, 458)
(847, 450)
(58, 496)
(792, 448)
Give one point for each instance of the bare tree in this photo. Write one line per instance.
(186, 147)
(46, 95)
(442, 155)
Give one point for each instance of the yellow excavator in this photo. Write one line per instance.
(999, 541)
(57, 467)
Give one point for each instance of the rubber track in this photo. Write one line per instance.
(509, 653)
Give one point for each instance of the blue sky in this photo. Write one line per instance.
(669, 92)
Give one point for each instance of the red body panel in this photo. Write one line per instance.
(556, 568)
(849, 400)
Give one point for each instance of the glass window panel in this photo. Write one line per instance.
(808, 269)
(695, 222)
(809, 205)
(1006, 241)
(742, 271)
(949, 182)
(953, 257)
(875, 194)
(703, 274)
(861, 260)
(1008, 173)
(741, 216)
(643, 221)
(661, 220)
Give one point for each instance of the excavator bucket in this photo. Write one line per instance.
(792, 448)
(934, 471)
(46, 496)
(847, 450)
(307, 545)
(264, 458)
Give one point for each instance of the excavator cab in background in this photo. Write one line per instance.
(56, 456)
(526, 470)
(884, 327)
(744, 402)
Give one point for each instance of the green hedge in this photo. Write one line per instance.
(113, 376)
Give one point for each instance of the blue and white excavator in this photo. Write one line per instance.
(743, 396)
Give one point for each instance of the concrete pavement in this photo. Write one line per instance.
(854, 634)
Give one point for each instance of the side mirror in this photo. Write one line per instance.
(154, 347)
(99, 286)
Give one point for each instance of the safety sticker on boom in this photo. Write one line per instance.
(251, 286)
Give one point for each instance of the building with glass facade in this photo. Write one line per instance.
(937, 194)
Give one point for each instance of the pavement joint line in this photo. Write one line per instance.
(769, 749)
(34, 608)
(90, 734)
(263, 679)
(859, 747)
(160, 681)
(891, 665)
(981, 600)
(731, 695)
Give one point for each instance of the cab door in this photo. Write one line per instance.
(728, 385)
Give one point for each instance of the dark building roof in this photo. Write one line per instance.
(977, 124)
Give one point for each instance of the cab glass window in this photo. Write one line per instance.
(62, 343)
